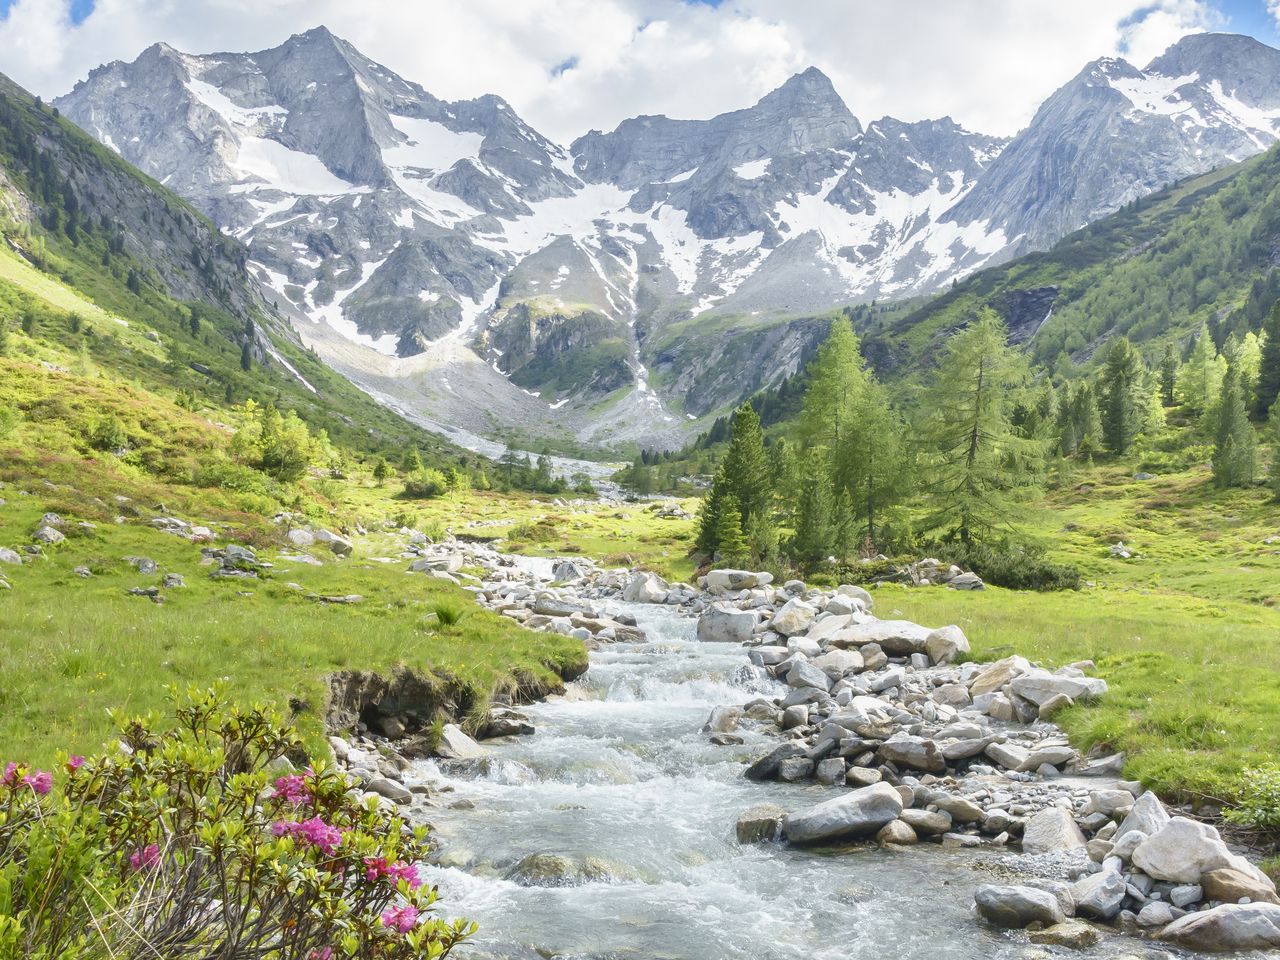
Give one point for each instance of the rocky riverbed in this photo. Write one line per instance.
(792, 725)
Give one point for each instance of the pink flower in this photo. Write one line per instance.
(314, 832)
(292, 789)
(402, 919)
(12, 772)
(146, 858)
(406, 872)
(321, 953)
(41, 781)
(74, 763)
(375, 867)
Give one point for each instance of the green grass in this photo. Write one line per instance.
(74, 648)
(1194, 684)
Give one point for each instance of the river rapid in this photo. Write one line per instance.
(630, 812)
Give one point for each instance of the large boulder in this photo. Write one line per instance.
(1148, 816)
(994, 676)
(1233, 926)
(915, 753)
(1099, 896)
(805, 674)
(1017, 907)
(1183, 850)
(645, 587)
(858, 813)
(855, 592)
(894, 637)
(456, 745)
(731, 581)
(1040, 686)
(1051, 830)
(566, 570)
(1231, 884)
(839, 663)
(793, 617)
(945, 644)
(9, 556)
(722, 623)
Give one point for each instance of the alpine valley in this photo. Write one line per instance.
(628, 288)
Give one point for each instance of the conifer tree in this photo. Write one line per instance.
(1273, 428)
(412, 461)
(1121, 380)
(731, 545)
(381, 471)
(746, 466)
(1267, 387)
(811, 542)
(1235, 447)
(1200, 379)
(1168, 375)
(977, 459)
(709, 513)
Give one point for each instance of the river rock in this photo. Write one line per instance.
(566, 570)
(1008, 755)
(916, 753)
(645, 587)
(837, 664)
(760, 823)
(723, 720)
(1231, 884)
(793, 617)
(723, 623)
(390, 789)
(805, 674)
(724, 581)
(959, 809)
(795, 716)
(1099, 895)
(855, 592)
(1040, 686)
(1072, 934)
(945, 644)
(1051, 830)
(996, 675)
(1017, 907)
(1155, 913)
(1233, 926)
(897, 834)
(929, 822)
(854, 814)
(895, 637)
(456, 745)
(1148, 816)
(9, 556)
(1183, 850)
(1053, 754)
(766, 768)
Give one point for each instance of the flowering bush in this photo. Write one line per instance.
(200, 840)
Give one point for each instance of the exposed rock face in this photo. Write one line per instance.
(456, 234)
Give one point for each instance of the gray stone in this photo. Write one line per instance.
(9, 556)
(805, 674)
(1148, 816)
(1051, 830)
(1099, 895)
(389, 789)
(456, 745)
(759, 824)
(722, 623)
(794, 617)
(915, 753)
(1041, 686)
(721, 581)
(645, 587)
(945, 644)
(896, 833)
(857, 813)
(1253, 926)
(1017, 907)
(1072, 934)
(929, 822)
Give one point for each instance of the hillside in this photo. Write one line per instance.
(153, 291)
(1200, 251)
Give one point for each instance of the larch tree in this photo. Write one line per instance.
(1267, 385)
(1235, 446)
(1200, 379)
(978, 462)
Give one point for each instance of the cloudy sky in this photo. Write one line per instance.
(572, 65)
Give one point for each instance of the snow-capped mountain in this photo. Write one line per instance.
(455, 262)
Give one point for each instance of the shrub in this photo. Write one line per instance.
(1018, 566)
(1259, 804)
(107, 434)
(199, 841)
(425, 484)
(540, 532)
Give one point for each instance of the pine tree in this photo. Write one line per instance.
(977, 459)
(709, 513)
(1121, 380)
(1168, 375)
(731, 544)
(746, 466)
(1267, 387)
(1235, 447)
(381, 471)
(246, 357)
(812, 540)
(412, 461)
(1273, 428)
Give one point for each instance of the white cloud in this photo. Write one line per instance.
(987, 63)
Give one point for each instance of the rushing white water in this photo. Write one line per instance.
(620, 781)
